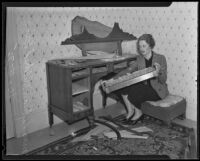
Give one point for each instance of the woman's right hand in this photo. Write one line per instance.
(157, 67)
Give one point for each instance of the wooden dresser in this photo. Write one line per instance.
(71, 85)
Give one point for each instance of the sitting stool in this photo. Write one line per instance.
(166, 109)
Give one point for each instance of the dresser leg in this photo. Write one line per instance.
(104, 97)
(167, 123)
(50, 118)
(182, 117)
(90, 120)
(51, 123)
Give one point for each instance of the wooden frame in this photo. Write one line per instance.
(86, 39)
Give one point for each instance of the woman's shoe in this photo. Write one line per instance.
(129, 119)
(133, 122)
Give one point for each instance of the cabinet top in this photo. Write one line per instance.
(83, 62)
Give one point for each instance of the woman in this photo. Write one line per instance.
(150, 90)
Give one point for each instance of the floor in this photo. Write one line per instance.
(45, 136)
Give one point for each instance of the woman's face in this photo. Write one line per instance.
(144, 48)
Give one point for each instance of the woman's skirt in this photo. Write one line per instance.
(137, 93)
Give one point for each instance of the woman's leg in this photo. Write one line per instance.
(139, 94)
(130, 108)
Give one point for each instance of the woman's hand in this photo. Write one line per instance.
(157, 66)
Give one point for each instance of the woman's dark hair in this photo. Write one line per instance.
(149, 40)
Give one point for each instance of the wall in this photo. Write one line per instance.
(41, 30)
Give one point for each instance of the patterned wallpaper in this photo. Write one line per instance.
(41, 30)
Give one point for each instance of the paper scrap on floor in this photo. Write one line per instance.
(142, 129)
